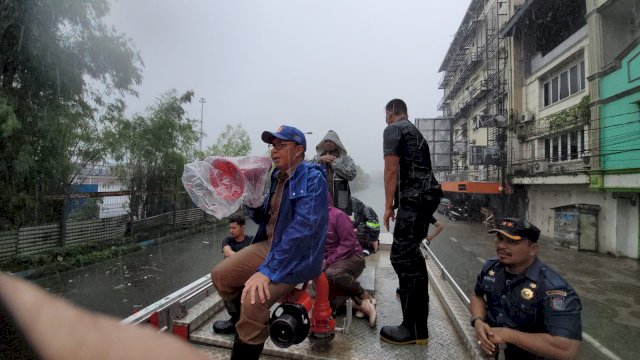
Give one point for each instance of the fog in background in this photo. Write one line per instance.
(316, 65)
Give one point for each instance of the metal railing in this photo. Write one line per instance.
(445, 274)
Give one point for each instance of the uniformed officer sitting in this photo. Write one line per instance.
(523, 303)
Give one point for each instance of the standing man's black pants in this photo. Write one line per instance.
(411, 226)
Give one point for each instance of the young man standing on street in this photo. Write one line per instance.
(288, 247)
(411, 188)
(521, 302)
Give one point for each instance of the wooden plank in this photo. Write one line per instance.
(89, 231)
(92, 238)
(38, 228)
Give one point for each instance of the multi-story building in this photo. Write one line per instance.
(474, 80)
(558, 138)
(614, 87)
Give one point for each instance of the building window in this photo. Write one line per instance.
(569, 146)
(567, 82)
(547, 149)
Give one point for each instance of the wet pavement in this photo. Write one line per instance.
(609, 287)
(115, 286)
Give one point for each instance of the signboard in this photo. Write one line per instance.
(437, 133)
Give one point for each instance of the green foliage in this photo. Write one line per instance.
(233, 141)
(58, 61)
(88, 209)
(152, 149)
(570, 117)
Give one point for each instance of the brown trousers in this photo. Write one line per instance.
(228, 278)
(342, 276)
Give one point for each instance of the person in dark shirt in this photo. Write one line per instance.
(439, 227)
(366, 226)
(520, 301)
(410, 187)
(238, 239)
(231, 245)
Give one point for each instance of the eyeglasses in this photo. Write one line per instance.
(280, 145)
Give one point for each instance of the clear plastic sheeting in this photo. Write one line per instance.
(219, 185)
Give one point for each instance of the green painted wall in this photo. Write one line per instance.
(620, 119)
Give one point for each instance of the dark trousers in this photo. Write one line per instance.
(412, 224)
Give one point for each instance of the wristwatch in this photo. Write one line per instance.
(473, 320)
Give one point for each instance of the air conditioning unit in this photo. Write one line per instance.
(527, 116)
(472, 141)
(540, 167)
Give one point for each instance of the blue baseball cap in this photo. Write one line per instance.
(288, 133)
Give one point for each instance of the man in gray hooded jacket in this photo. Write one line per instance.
(340, 167)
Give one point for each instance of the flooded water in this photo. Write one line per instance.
(115, 286)
(373, 196)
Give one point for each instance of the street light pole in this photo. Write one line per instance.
(202, 101)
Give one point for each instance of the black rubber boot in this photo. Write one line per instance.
(413, 329)
(226, 326)
(229, 326)
(242, 351)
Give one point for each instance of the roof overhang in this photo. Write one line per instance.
(507, 29)
(473, 187)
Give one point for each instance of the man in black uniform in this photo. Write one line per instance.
(521, 302)
(411, 188)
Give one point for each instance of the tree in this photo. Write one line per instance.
(233, 141)
(59, 61)
(152, 150)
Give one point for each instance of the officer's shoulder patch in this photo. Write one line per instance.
(558, 303)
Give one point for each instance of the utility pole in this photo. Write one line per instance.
(202, 101)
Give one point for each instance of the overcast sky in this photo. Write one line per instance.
(316, 65)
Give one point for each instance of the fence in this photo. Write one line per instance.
(37, 239)
(100, 207)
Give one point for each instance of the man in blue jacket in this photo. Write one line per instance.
(288, 247)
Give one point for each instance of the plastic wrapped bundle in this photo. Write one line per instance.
(255, 170)
(219, 185)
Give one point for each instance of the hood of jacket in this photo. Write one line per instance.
(333, 136)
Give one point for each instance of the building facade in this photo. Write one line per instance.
(614, 78)
(474, 81)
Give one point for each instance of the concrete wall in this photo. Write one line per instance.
(617, 221)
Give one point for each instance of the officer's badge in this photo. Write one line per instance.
(557, 303)
(491, 273)
(533, 285)
(526, 294)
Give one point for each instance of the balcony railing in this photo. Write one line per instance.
(547, 168)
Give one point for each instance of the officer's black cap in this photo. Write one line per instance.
(517, 229)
